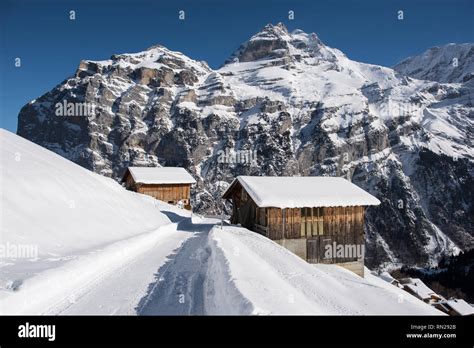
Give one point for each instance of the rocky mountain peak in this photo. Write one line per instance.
(276, 44)
(269, 43)
(154, 67)
(270, 30)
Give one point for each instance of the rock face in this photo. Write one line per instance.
(283, 104)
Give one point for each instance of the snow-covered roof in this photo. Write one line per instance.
(161, 175)
(461, 306)
(387, 277)
(303, 191)
(419, 288)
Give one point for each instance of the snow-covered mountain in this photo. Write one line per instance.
(303, 108)
(452, 63)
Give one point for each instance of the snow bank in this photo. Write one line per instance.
(271, 280)
(60, 289)
(57, 209)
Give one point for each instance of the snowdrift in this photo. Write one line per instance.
(265, 278)
(61, 209)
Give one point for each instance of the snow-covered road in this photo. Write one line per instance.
(179, 286)
(111, 280)
(162, 272)
(193, 267)
(122, 289)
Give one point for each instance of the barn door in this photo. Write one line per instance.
(316, 248)
(312, 246)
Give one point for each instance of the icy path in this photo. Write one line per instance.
(179, 286)
(121, 290)
(170, 278)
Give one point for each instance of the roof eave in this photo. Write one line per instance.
(229, 189)
(124, 176)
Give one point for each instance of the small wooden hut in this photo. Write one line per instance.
(168, 184)
(455, 307)
(321, 219)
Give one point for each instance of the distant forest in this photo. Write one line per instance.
(453, 277)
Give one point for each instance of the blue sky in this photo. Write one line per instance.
(51, 46)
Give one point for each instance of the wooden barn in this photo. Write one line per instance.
(321, 219)
(168, 184)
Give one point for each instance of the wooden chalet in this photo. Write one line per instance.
(321, 219)
(168, 184)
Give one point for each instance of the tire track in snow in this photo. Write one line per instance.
(179, 287)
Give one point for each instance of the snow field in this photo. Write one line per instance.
(275, 281)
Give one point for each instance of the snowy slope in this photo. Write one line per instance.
(452, 63)
(268, 279)
(61, 209)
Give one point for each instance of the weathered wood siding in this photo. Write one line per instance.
(343, 226)
(129, 183)
(320, 227)
(283, 223)
(172, 193)
(329, 221)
